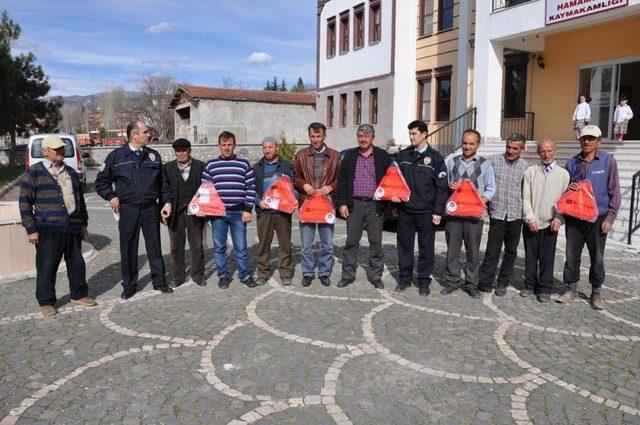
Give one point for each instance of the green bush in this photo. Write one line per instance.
(9, 172)
(287, 149)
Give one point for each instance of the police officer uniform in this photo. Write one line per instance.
(426, 176)
(139, 183)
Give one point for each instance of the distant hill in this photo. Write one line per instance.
(83, 100)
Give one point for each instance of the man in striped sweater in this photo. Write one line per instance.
(232, 177)
(54, 215)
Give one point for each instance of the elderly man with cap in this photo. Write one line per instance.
(599, 168)
(54, 215)
(184, 177)
(265, 171)
(505, 212)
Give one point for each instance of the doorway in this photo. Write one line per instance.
(603, 85)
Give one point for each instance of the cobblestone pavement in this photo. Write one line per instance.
(318, 355)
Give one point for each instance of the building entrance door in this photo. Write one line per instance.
(603, 85)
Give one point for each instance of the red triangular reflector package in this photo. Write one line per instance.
(281, 196)
(392, 184)
(579, 203)
(317, 209)
(207, 201)
(465, 201)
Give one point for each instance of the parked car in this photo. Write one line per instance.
(72, 154)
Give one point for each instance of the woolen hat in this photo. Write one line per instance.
(181, 144)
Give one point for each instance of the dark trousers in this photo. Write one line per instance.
(52, 246)
(132, 219)
(364, 215)
(580, 233)
(192, 228)
(280, 224)
(407, 227)
(458, 231)
(540, 253)
(500, 232)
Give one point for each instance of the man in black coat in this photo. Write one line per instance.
(184, 176)
(425, 172)
(131, 179)
(360, 173)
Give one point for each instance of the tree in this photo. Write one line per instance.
(283, 86)
(112, 108)
(23, 87)
(151, 104)
(299, 87)
(232, 83)
(286, 149)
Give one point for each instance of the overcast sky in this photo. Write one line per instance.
(87, 46)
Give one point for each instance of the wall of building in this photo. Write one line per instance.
(441, 49)
(249, 121)
(554, 89)
(341, 137)
(365, 62)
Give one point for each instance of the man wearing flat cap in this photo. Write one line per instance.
(184, 175)
(601, 170)
(54, 215)
(505, 212)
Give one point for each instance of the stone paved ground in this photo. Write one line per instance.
(317, 355)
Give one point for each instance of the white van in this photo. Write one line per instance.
(72, 154)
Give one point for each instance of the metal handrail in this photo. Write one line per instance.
(634, 208)
(446, 139)
(505, 4)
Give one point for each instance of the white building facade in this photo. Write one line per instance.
(366, 69)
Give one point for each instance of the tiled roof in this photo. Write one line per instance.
(263, 96)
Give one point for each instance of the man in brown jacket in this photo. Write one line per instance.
(315, 171)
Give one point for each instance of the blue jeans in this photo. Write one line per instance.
(220, 227)
(325, 257)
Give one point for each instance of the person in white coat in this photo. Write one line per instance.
(621, 118)
(581, 115)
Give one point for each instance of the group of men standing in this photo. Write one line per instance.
(144, 193)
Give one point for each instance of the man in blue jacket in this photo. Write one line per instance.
(54, 215)
(424, 170)
(131, 179)
(599, 168)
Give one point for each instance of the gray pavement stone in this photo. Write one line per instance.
(317, 355)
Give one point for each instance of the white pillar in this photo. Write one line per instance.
(488, 75)
(404, 80)
(464, 53)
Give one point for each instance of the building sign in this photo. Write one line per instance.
(564, 10)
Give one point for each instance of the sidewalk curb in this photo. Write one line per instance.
(88, 256)
(10, 186)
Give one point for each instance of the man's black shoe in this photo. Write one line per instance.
(201, 282)
(544, 297)
(526, 292)
(448, 290)
(486, 290)
(164, 288)
(343, 282)
(306, 280)
(224, 282)
(402, 286)
(424, 290)
(472, 291)
(378, 284)
(128, 293)
(176, 283)
(250, 282)
(325, 280)
(500, 292)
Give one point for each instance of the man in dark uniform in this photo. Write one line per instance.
(424, 170)
(184, 175)
(136, 172)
